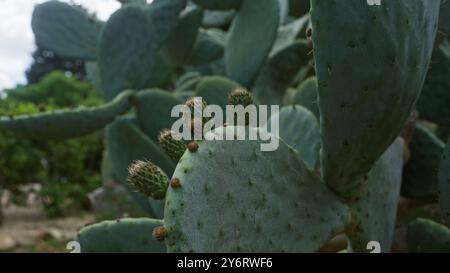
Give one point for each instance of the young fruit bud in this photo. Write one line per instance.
(175, 182)
(193, 147)
(173, 148)
(148, 178)
(240, 96)
(160, 233)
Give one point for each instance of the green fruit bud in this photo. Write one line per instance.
(148, 179)
(160, 233)
(173, 148)
(240, 96)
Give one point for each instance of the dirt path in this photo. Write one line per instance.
(27, 229)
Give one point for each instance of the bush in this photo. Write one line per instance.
(66, 170)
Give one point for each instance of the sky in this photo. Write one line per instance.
(16, 36)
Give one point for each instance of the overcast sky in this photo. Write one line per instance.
(16, 37)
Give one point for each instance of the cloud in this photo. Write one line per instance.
(17, 41)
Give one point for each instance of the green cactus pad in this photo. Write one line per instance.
(306, 95)
(165, 16)
(218, 18)
(300, 129)
(215, 90)
(112, 200)
(126, 143)
(66, 30)
(185, 78)
(161, 74)
(126, 57)
(219, 4)
(121, 236)
(185, 95)
(187, 82)
(298, 7)
(366, 88)
(173, 148)
(279, 71)
(179, 45)
(433, 104)
(375, 214)
(251, 37)
(206, 49)
(284, 11)
(420, 177)
(288, 33)
(235, 198)
(444, 181)
(428, 236)
(153, 108)
(67, 124)
(93, 76)
(444, 22)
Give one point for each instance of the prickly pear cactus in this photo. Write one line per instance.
(348, 75)
(367, 88)
(375, 214)
(274, 202)
(428, 236)
(121, 236)
(68, 123)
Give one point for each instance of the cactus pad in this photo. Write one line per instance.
(126, 57)
(252, 35)
(121, 236)
(300, 129)
(66, 30)
(375, 214)
(67, 124)
(273, 202)
(366, 88)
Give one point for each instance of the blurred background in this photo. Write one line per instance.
(45, 197)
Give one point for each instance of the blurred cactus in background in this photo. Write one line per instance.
(348, 75)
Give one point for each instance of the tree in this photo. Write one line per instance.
(45, 61)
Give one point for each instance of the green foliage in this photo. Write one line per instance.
(65, 183)
(54, 89)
